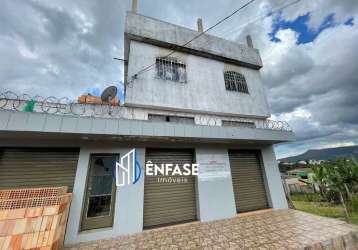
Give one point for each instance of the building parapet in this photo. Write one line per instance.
(150, 30)
(65, 107)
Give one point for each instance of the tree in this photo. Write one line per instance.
(341, 177)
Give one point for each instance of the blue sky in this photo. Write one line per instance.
(305, 34)
(300, 25)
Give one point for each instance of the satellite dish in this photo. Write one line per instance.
(109, 94)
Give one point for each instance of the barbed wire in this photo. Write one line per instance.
(53, 105)
(64, 106)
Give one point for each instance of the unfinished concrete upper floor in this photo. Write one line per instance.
(193, 78)
(167, 35)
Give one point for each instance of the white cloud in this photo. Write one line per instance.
(338, 144)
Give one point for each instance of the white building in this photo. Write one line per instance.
(205, 103)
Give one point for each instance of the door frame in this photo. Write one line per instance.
(85, 194)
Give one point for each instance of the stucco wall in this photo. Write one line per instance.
(128, 212)
(272, 178)
(215, 196)
(215, 192)
(204, 91)
(167, 34)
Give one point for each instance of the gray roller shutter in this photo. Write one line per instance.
(247, 178)
(168, 203)
(37, 167)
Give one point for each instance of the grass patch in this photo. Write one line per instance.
(311, 203)
(306, 197)
(319, 208)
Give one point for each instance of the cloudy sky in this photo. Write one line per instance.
(65, 48)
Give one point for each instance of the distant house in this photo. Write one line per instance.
(315, 162)
(302, 163)
(296, 184)
(300, 172)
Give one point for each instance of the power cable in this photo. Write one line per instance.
(195, 37)
(257, 18)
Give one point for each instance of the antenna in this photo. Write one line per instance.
(108, 95)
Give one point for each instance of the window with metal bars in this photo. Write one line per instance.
(169, 68)
(235, 81)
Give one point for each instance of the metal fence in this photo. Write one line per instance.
(64, 106)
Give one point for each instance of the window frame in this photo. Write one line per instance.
(170, 69)
(236, 82)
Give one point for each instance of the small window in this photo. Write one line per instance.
(169, 68)
(235, 82)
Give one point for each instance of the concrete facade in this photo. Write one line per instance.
(163, 34)
(75, 127)
(273, 182)
(204, 90)
(213, 192)
(202, 97)
(128, 215)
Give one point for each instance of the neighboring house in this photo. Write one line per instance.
(300, 172)
(205, 103)
(290, 183)
(315, 162)
(302, 163)
(296, 184)
(298, 180)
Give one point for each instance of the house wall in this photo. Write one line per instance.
(203, 92)
(128, 213)
(76, 127)
(272, 179)
(167, 34)
(214, 192)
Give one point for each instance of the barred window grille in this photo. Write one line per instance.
(169, 68)
(235, 81)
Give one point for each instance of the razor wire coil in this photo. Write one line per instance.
(64, 106)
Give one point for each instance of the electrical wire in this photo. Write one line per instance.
(226, 32)
(194, 38)
(258, 18)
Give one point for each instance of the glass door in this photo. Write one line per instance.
(98, 208)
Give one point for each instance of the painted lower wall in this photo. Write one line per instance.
(128, 213)
(273, 183)
(215, 197)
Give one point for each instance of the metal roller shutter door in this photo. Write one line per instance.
(168, 203)
(247, 178)
(37, 167)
